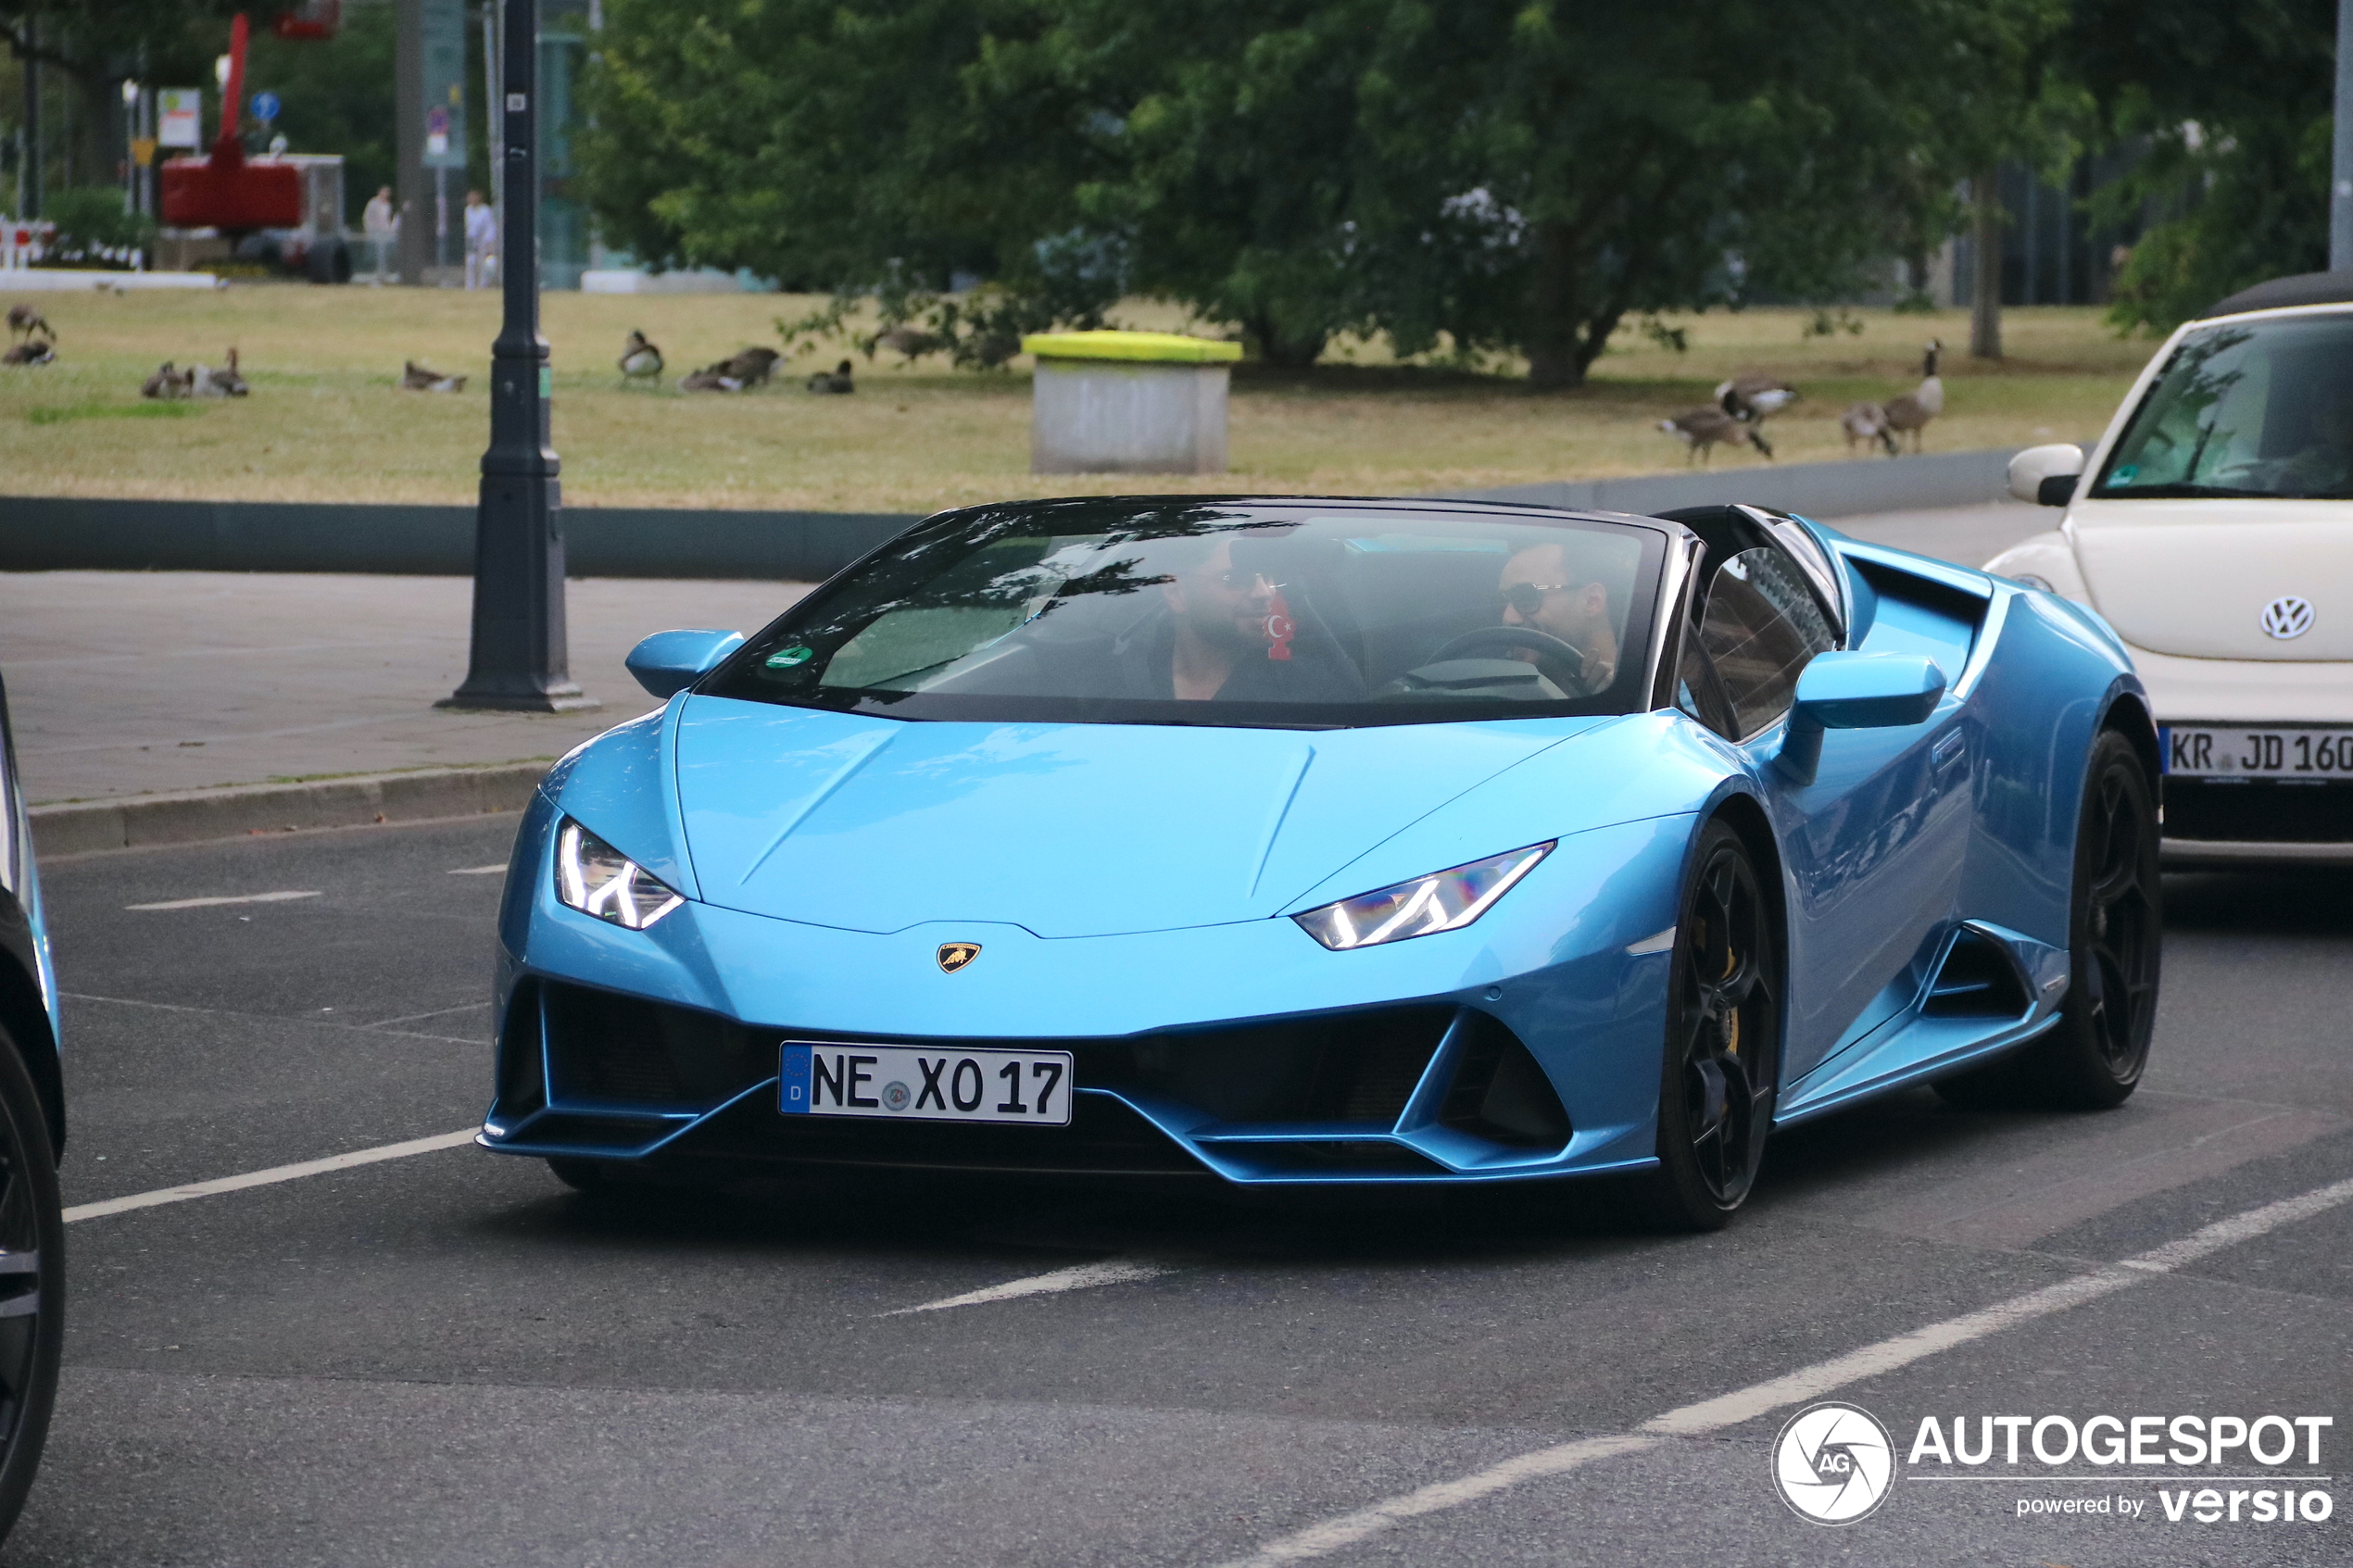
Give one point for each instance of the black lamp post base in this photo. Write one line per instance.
(563, 700)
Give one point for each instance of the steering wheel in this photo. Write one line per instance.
(1549, 649)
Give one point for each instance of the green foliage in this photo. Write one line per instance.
(2235, 104)
(91, 219)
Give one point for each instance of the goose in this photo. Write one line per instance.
(1913, 409)
(24, 320)
(837, 383)
(640, 361)
(167, 382)
(31, 351)
(210, 382)
(1701, 429)
(912, 342)
(1752, 397)
(711, 378)
(421, 378)
(753, 366)
(1866, 423)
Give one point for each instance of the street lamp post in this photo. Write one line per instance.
(519, 660)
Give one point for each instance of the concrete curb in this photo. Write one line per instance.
(205, 815)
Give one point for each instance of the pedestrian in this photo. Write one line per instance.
(482, 242)
(382, 225)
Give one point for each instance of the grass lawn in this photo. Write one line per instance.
(326, 422)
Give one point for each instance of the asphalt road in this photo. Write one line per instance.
(451, 1358)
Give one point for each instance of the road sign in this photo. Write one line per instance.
(179, 112)
(264, 107)
(437, 132)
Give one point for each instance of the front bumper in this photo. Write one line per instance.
(1525, 1046)
(2257, 822)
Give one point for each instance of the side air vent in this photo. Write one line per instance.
(1499, 1093)
(1977, 979)
(1336, 1067)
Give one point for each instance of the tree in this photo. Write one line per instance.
(1513, 174)
(99, 43)
(2235, 104)
(1550, 167)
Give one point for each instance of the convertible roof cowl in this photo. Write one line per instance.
(2283, 294)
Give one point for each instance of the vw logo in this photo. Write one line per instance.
(2286, 617)
(1832, 1463)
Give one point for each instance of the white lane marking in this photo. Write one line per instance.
(421, 1017)
(479, 871)
(1807, 1382)
(1084, 1276)
(312, 1021)
(275, 1175)
(212, 903)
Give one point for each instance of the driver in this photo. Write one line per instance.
(1542, 588)
(1225, 633)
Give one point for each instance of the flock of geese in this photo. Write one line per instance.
(641, 364)
(1745, 402)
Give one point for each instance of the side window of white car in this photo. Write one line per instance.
(1761, 627)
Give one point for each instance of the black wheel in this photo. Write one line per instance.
(1723, 1058)
(2094, 1056)
(581, 1175)
(32, 1281)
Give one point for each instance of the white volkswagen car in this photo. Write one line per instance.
(2215, 534)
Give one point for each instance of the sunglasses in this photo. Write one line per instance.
(1527, 597)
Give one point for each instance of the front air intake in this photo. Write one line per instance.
(1499, 1093)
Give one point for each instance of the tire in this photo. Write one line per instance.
(1721, 1061)
(32, 1281)
(2093, 1057)
(329, 261)
(581, 1175)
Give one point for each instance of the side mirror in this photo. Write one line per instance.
(2046, 475)
(1855, 691)
(668, 662)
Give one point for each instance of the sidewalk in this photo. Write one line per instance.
(132, 683)
(124, 684)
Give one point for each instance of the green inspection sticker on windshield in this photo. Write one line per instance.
(787, 657)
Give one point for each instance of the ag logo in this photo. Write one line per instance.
(2287, 617)
(954, 956)
(1832, 1463)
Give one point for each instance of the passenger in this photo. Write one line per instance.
(1544, 589)
(1226, 633)
(2323, 469)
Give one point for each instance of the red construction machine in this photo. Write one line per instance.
(288, 209)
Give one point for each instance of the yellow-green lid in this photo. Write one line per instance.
(1168, 348)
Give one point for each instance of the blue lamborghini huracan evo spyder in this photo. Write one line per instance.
(1287, 841)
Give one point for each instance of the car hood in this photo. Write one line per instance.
(2193, 577)
(1068, 830)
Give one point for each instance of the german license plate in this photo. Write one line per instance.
(2215, 751)
(919, 1084)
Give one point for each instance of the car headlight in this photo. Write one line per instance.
(596, 879)
(1446, 900)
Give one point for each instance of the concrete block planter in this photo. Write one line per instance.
(1114, 401)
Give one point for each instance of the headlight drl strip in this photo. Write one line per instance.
(1446, 900)
(596, 879)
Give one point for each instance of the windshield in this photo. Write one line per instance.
(1315, 615)
(2253, 408)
